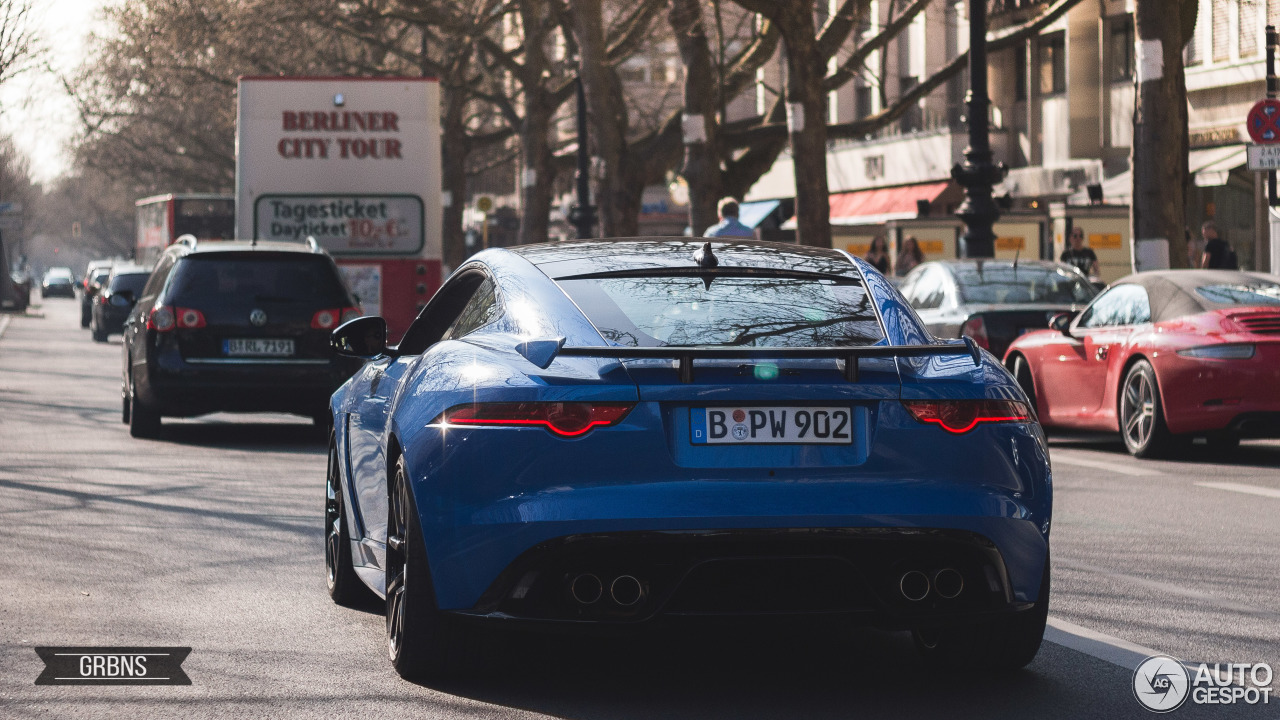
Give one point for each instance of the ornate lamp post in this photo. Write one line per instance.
(977, 174)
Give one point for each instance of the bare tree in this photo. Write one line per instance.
(20, 49)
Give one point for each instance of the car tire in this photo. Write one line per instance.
(124, 407)
(1022, 373)
(345, 587)
(144, 422)
(1141, 413)
(84, 317)
(1000, 645)
(422, 642)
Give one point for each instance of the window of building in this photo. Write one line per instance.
(1053, 64)
(1122, 49)
(913, 119)
(864, 99)
(1221, 38)
(1250, 28)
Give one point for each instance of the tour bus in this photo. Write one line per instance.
(163, 219)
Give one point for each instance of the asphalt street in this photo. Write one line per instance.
(211, 537)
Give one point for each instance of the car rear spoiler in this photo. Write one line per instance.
(542, 352)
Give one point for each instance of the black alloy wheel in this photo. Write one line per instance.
(422, 642)
(1001, 645)
(144, 422)
(96, 331)
(1141, 413)
(344, 585)
(1022, 373)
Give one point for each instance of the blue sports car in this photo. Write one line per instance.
(626, 432)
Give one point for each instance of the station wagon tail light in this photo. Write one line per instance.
(161, 319)
(566, 419)
(189, 319)
(961, 416)
(333, 317)
(976, 328)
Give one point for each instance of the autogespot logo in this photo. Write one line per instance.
(1160, 683)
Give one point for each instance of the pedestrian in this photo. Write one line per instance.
(1218, 255)
(1195, 249)
(1083, 258)
(729, 225)
(908, 257)
(878, 255)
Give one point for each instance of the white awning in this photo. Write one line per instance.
(1209, 167)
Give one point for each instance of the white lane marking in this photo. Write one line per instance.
(1095, 644)
(1242, 488)
(1057, 457)
(4, 324)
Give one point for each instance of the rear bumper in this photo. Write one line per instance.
(1204, 396)
(179, 388)
(853, 573)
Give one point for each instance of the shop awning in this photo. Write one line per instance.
(752, 214)
(870, 207)
(1209, 167)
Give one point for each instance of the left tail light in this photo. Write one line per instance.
(961, 416)
(976, 328)
(566, 419)
(331, 318)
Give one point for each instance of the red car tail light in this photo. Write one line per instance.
(161, 319)
(331, 318)
(566, 419)
(976, 328)
(961, 416)
(189, 319)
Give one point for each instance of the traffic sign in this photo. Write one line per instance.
(1264, 157)
(1264, 122)
(484, 203)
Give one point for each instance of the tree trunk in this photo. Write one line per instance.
(537, 177)
(700, 126)
(807, 124)
(607, 115)
(454, 148)
(1160, 139)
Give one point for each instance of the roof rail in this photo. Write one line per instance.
(189, 240)
(311, 243)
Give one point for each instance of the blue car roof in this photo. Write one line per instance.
(581, 257)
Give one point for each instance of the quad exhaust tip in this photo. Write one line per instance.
(586, 588)
(948, 583)
(626, 590)
(914, 585)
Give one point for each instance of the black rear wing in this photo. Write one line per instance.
(684, 356)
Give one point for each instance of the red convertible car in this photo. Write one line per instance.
(1162, 357)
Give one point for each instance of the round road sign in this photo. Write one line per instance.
(1264, 122)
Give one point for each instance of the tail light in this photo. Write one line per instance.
(566, 419)
(164, 319)
(102, 299)
(331, 318)
(976, 328)
(961, 416)
(189, 319)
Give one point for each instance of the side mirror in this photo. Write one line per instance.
(121, 299)
(1062, 323)
(362, 337)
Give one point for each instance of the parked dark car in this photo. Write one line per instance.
(236, 327)
(89, 285)
(114, 300)
(58, 282)
(993, 301)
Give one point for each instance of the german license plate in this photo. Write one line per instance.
(771, 426)
(257, 347)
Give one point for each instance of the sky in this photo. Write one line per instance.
(34, 109)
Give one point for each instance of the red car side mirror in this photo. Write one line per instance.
(1062, 323)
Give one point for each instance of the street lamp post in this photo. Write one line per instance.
(977, 173)
(583, 214)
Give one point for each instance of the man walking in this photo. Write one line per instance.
(1218, 255)
(729, 225)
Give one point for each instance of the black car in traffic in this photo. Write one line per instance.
(113, 300)
(58, 282)
(238, 327)
(94, 276)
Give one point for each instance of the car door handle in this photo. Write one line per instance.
(1100, 353)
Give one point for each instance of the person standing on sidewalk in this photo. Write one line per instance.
(1083, 258)
(729, 225)
(1218, 255)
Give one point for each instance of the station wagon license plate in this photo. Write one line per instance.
(771, 426)
(257, 347)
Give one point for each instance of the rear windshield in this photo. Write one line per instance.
(744, 311)
(1014, 286)
(228, 280)
(1254, 293)
(133, 282)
